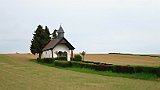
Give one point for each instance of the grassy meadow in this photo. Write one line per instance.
(20, 72)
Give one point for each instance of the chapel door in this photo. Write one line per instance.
(62, 54)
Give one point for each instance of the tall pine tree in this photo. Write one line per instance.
(47, 36)
(41, 37)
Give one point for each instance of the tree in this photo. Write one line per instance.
(47, 31)
(41, 37)
(47, 35)
(54, 34)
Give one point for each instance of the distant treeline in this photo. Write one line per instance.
(136, 54)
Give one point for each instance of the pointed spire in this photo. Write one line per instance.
(60, 29)
(60, 32)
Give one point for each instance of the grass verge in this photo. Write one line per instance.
(143, 76)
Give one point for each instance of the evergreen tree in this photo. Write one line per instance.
(47, 36)
(54, 34)
(41, 37)
(47, 30)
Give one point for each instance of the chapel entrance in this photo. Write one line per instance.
(62, 54)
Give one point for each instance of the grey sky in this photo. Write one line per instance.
(96, 26)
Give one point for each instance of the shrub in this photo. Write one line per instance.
(89, 65)
(62, 63)
(103, 67)
(158, 71)
(76, 64)
(39, 60)
(48, 60)
(96, 62)
(139, 69)
(97, 66)
(56, 58)
(77, 57)
(109, 67)
(83, 65)
(88, 61)
(62, 58)
(122, 69)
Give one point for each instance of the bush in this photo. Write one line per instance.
(117, 68)
(62, 58)
(122, 69)
(88, 61)
(46, 60)
(97, 63)
(77, 57)
(139, 69)
(83, 65)
(39, 60)
(103, 66)
(158, 71)
(76, 64)
(62, 63)
(56, 58)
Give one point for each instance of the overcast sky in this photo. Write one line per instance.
(96, 26)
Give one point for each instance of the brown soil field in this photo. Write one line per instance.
(123, 59)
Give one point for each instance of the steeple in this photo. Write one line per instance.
(60, 32)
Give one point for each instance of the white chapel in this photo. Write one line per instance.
(58, 46)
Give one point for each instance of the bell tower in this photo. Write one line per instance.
(60, 32)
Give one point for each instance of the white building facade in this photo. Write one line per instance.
(58, 47)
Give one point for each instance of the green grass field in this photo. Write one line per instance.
(20, 72)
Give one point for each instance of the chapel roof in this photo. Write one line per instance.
(54, 42)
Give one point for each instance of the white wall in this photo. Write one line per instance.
(62, 47)
(59, 47)
(47, 54)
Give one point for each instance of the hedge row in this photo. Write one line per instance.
(62, 63)
(61, 58)
(51, 60)
(109, 67)
(46, 60)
